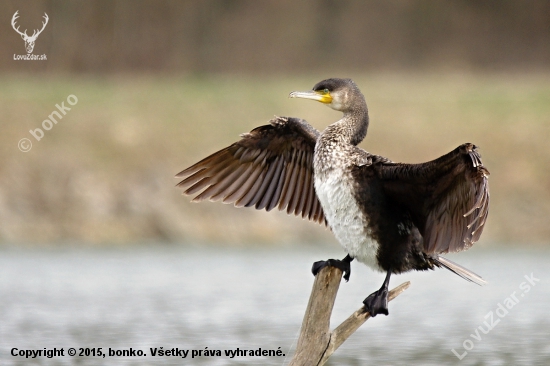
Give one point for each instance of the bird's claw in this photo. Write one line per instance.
(343, 265)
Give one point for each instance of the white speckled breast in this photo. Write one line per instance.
(344, 216)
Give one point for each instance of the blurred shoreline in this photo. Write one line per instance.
(104, 172)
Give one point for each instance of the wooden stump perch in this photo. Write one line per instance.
(317, 343)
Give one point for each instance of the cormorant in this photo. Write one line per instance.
(393, 217)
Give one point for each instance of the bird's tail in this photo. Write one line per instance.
(459, 270)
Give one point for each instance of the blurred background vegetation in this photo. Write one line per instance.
(160, 84)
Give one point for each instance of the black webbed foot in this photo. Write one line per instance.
(377, 302)
(343, 264)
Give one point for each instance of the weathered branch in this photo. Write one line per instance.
(316, 343)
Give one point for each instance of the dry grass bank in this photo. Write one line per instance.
(104, 172)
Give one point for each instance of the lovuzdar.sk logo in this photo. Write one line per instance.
(29, 40)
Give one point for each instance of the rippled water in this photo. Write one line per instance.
(192, 298)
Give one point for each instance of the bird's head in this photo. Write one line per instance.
(339, 94)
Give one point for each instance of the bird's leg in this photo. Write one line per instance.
(377, 302)
(343, 264)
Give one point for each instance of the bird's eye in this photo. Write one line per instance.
(325, 91)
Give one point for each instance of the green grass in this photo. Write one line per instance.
(104, 173)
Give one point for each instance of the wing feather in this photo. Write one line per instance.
(233, 190)
(240, 194)
(308, 198)
(300, 199)
(273, 178)
(290, 184)
(272, 194)
(247, 199)
(298, 183)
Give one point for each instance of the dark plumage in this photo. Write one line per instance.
(271, 166)
(393, 217)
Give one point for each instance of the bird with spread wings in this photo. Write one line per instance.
(393, 217)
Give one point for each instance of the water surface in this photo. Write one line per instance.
(223, 299)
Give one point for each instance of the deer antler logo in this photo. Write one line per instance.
(29, 41)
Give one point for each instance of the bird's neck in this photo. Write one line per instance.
(352, 128)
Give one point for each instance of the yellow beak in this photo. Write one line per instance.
(320, 96)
